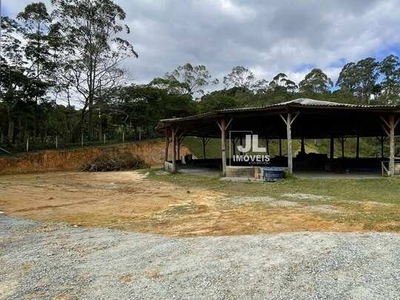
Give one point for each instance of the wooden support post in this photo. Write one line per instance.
(358, 147)
(332, 150)
(267, 145)
(180, 141)
(390, 131)
(289, 142)
(166, 145)
(342, 139)
(280, 147)
(174, 140)
(203, 142)
(303, 145)
(178, 149)
(392, 128)
(289, 121)
(222, 126)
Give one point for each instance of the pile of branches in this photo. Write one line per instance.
(117, 161)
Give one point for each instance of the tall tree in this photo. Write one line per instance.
(36, 24)
(17, 85)
(95, 50)
(360, 78)
(191, 79)
(281, 82)
(390, 70)
(239, 77)
(315, 82)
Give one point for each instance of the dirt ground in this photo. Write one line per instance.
(129, 201)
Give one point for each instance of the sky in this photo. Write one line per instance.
(267, 37)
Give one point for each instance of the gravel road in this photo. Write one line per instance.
(39, 261)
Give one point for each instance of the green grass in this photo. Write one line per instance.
(374, 204)
(385, 190)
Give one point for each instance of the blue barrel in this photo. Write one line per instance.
(272, 174)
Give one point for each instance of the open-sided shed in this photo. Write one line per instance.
(297, 119)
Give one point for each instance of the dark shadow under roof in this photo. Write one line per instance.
(317, 119)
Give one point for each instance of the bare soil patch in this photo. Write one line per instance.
(128, 201)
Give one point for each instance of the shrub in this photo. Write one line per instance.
(118, 161)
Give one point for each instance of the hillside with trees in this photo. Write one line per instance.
(62, 78)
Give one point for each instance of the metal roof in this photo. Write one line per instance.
(300, 102)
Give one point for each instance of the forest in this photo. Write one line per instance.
(62, 80)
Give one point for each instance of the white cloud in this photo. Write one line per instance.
(266, 36)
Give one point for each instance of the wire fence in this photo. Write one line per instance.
(35, 144)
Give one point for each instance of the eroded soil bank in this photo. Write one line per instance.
(73, 159)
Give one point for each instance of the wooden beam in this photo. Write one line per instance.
(289, 121)
(166, 145)
(289, 142)
(391, 125)
(342, 143)
(222, 125)
(204, 142)
(358, 147)
(392, 128)
(174, 141)
(179, 144)
(342, 140)
(303, 146)
(332, 148)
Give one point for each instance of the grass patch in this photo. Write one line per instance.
(369, 204)
(384, 190)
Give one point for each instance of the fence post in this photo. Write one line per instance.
(104, 138)
(56, 141)
(82, 139)
(27, 144)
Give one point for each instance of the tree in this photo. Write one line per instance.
(141, 106)
(215, 101)
(315, 82)
(92, 49)
(17, 86)
(261, 86)
(390, 70)
(360, 78)
(281, 82)
(191, 79)
(36, 26)
(240, 77)
(348, 78)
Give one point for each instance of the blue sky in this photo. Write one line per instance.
(266, 36)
